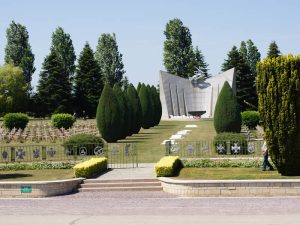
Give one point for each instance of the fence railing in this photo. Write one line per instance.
(210, 149)
(119, 155)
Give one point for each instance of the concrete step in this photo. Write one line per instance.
(88, 181)
(119, 184)
(103, 189)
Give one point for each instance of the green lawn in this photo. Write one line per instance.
(229, 173)
(149, 141)
(36, 175)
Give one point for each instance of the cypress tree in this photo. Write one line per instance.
(136, 110)
(198, 62)
(227, 116)
(158, 109)
(278, 83)
(87, 83)
(54, 89)
(123, 110)
(146, 107)
(107, 117)
(138, 87)
(153, 114)
(273, 50)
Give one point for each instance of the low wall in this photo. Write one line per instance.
(37, 189)
(233, 188)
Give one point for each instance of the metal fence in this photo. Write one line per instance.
(119, 155)
(210, 149)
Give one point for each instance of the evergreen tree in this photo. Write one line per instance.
(198, 62)
(123, 111)
(273, 50)
(18, 50)
(109, 59)
(177, 48)
(138, 87)
(54, 89)
(146, 107)
(251, 55)
(125, 83)
(152, 118)
(62, 44)
(157, 106)
(244, 80)
(107, 118)
(87, 83)
(227, 116)
(136, 110)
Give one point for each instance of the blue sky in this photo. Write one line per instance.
(139, 24)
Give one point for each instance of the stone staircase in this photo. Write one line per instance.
(96, 185)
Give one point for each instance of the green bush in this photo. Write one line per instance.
(90, 167)
(135, 110)
(87, 142)
(37, 166)
(146, 107)
(227, 116)
(233, 138)
(209, 163)
(250, 119)
(15, 120)
(168, 166)
(62, 120)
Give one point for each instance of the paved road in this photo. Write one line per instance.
(156, 208)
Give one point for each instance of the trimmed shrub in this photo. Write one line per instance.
(215, 163)
(227, 116)
(15, 120)
(278, 84)
(168, 166)
(144, 96)
(122, 112)
(90, 167)
(108, 117)
(87, 142)
(233, 138)
(135, 108)
(250, 119)
(62, 120)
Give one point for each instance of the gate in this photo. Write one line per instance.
(122, 155)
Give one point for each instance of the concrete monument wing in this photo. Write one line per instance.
(183, 97)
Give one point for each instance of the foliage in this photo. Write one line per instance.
(168, 166)
(37, 166)
(213, 163)
(157, 106)
(227, 116)
(250, 119)
(273, 50)
(15, 120)
(278, 83)
(82, 139)
(198, 62)
(18, 50)
(62, 120)
(244, 80)
(108, 120)
(54, 88)
(63, 46)
(233, 138)
(90, 168)
(177, 48)
(123, 113)
(13, 89)
(146, 107)
(87, 83)
(109, 59)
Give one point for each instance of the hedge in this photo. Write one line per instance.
(15, 120)
(62, 120)
(168, 166)
(90, 167)
(234, 138)
(250, 119)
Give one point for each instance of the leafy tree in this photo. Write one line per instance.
(227, 116)
(54, 89)
(273, 50)
(177, 48)
(108, 121)
(123, 111)
(278, 82)
(18, 50)
(198, 62)
(251, 55)
(87, 83)
(244, 80)
(109, 59)
(13, 89)
(62, 44)
(144, 96)
(135, 108)
(125, 83)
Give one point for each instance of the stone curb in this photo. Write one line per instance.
(231, 188)
(38, 189)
